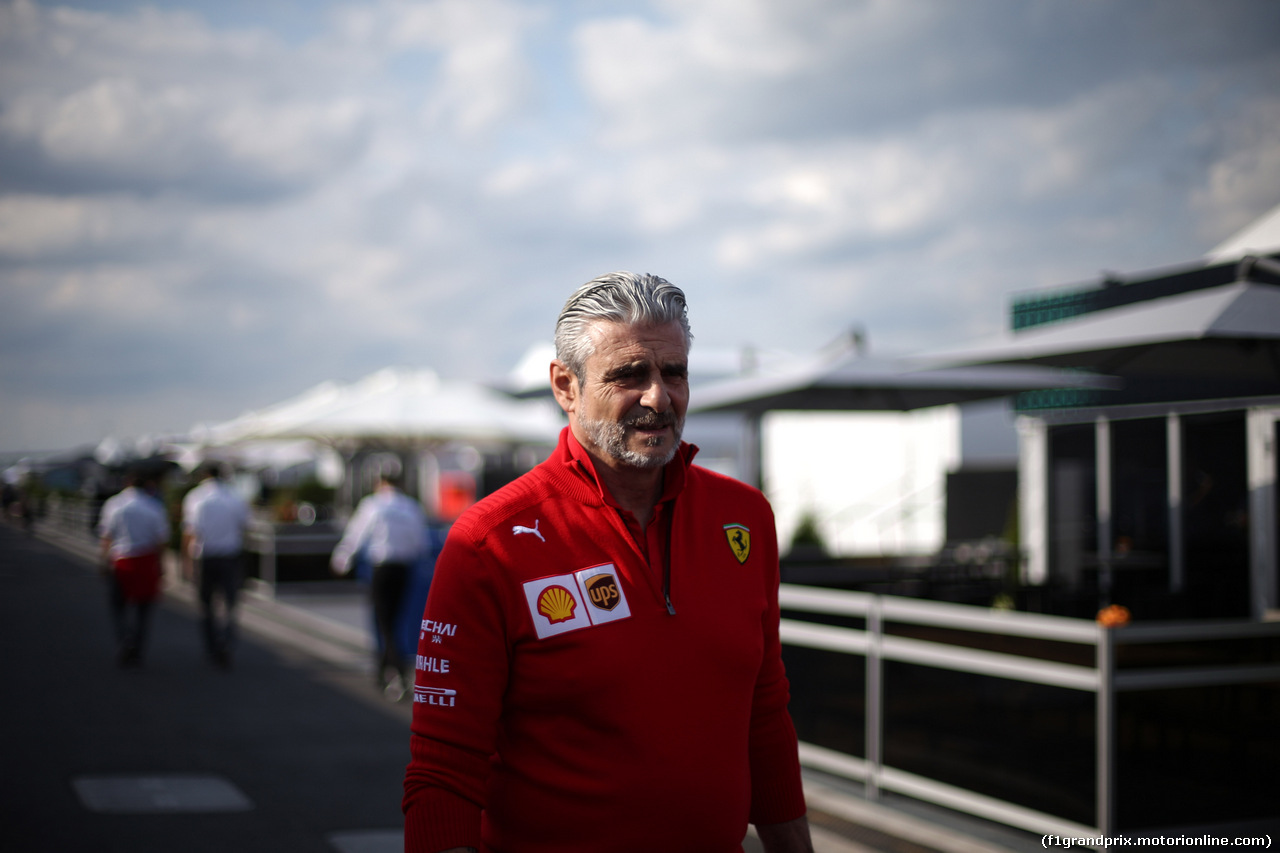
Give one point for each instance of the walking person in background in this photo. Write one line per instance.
(389, 527)
(214, 518)
(134, 528)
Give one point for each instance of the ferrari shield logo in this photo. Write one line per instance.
(739, 541)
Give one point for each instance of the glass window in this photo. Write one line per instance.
(1140, 517)
(1073, 534)
(1215, 507)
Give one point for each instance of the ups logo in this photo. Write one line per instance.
(603, 591)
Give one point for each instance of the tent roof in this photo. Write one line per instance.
(277, 416)
(1141, 336)
(397, 404)
(851, 383)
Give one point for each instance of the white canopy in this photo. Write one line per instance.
(272, 419)
(398, 404)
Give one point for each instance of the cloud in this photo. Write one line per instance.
(203, 205)
(825, 143)
(742, 70)
(479, 75)
(1245, 176)
(152, 102)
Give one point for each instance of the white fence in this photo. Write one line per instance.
(876, 647)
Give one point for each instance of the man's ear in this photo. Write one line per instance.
(564, 385)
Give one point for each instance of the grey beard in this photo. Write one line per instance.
(611, 436)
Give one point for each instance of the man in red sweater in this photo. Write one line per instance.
(599, 669)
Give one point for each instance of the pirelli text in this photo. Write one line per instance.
(1192, 841)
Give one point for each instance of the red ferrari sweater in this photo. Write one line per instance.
(561, 706)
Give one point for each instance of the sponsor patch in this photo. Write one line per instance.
(568, 602)
(739, 541)
(603, 590)
(426, 663)
(518, 529)
(442, 696)
(557, 604)
(437, 630)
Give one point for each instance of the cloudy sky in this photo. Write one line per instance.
(207, 207)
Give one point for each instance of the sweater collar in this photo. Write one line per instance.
(571, 454)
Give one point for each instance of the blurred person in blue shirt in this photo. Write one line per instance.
(389, 528)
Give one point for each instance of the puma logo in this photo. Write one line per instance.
(520, 528)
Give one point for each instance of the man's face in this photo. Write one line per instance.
(631, 402)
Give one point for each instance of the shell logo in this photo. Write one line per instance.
(557, 604)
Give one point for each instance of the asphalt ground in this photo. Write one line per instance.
(292, 749)
(284, 752)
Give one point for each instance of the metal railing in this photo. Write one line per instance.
(73, 515)
(269, 540)
(875, 646)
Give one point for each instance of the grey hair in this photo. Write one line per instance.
(619, 297)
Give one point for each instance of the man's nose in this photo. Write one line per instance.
(656, 397)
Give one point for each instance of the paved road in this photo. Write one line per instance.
(292, 750)
(296, 753)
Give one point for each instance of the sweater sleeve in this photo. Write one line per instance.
(189, 503)
(460, 681)
(353, 537)
(777, 794)
(160, 525)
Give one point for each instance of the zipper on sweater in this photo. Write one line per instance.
(667, 511)
(666, 559)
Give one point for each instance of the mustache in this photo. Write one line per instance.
(651, 420)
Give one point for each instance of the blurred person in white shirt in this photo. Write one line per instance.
(214, 518)
(389, 527)
(133, 528)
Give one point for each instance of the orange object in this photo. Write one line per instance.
(457, 492)
(1113, 616)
